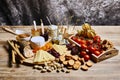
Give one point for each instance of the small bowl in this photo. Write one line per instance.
(27, 38)
(24, 36)
(18, 32)
(37, 41)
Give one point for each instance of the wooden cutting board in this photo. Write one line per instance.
(108, 69)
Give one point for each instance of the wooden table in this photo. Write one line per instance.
(106, 70)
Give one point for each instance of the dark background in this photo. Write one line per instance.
(73, 12)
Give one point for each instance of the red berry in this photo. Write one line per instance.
(78, 41)
(97, 39)
(83, 42)
(83, 46)
(89, 42)
(97, 53)
(74, 38)
(82, 38)
(83, 53)
(86, 57)
(91, 49)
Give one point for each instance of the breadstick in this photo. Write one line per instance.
(13, 56)
(18, 52)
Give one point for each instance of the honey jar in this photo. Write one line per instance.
(35, 32)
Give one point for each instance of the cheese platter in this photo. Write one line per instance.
(45, 48)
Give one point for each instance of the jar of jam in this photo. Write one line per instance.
(35, 32)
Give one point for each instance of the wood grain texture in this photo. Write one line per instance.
(107, 70)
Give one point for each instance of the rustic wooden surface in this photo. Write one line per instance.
(106, 70)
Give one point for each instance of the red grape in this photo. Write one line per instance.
(74, 50)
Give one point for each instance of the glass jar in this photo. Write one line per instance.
(54, 29)
(35, 32)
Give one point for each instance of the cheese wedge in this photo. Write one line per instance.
(61, 49)
(43, 56)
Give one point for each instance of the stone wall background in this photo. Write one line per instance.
(95, 12)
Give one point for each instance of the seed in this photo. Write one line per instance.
(40, 68)
(57, 71)
(62, 65)
(35, 66)
(68, 71)
(49, 70)
(55, 67)
(46, 67)
(43, 70)
(52, 68)
(57, 59)
(62, 70)
(45, 63)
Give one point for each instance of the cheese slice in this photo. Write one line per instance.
(61, 49)
(43, 56)
(38, 57)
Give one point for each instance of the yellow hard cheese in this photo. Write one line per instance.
(43, 56)
(61, 49)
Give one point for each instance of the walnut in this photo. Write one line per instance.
(107, 45)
